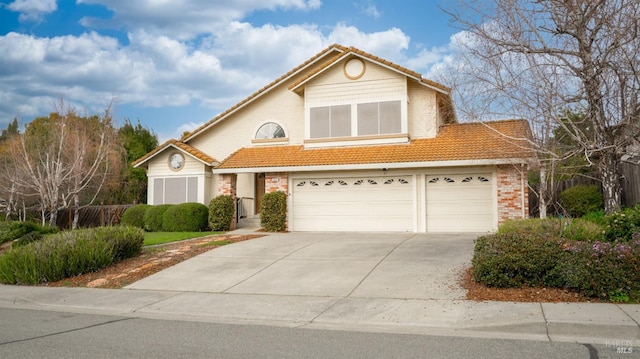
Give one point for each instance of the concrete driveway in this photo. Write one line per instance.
(356, 265)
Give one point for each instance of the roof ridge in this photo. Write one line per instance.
(264, 88)
(354, 50)
(485, 122)
(181, 145)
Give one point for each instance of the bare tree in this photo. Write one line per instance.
(538, 59)
(63, 159)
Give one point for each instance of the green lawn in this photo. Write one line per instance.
(152, 238)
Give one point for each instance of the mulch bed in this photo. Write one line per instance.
(479, 292)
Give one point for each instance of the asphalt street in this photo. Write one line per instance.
(49, 334)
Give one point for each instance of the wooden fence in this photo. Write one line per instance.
(630, 184)
(629, 181)
(93, 216)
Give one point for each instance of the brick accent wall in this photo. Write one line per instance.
(513, 193)
(227, 184)
(276, 181)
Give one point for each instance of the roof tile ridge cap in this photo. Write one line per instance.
(391, 64)
(154, 151)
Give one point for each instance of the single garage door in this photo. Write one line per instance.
(375, 203)
(460, 203)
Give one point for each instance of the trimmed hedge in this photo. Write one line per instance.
(134, 216)
(580, 200)
(273, 211)
(186, 217)
(221, 212)
(515, 259)
(153, 217)
(68, 254)
(534, 254)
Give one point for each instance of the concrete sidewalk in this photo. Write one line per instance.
(596, 323)
(397, 283)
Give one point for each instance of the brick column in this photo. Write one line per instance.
(513, 193)
(278, 181)
(227, 186)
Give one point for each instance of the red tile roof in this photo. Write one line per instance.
(468, 141)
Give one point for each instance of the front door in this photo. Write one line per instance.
(259, 191)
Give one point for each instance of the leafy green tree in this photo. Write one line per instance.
(137, 140)
(10, 131)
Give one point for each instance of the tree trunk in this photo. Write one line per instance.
(608, 166)
(76, 212)
(543, 192)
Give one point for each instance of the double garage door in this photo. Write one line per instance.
(454, 203)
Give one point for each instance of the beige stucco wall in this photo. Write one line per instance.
(287, 108)
(238, 130)
(159, 168)
(422, 111)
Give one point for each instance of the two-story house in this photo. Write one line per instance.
(358, 144)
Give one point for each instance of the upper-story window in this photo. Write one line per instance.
(379, 118)
(270, 130)
(330, 121)
(363, 119)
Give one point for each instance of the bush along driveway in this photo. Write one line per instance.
(596, 260)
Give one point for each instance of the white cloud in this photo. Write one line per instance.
(32, 10)
(189, 126)
(387, 44)
(184, 19)
(426, 58)
(369, 8)
(154, 70)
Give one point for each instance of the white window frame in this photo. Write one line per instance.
(404, 125)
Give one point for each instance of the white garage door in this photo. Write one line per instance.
(353, 204)
(460, 203)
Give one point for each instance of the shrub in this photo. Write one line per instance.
(549, 226)
(185, 217)
(28, 238)
(580, 200)
(68, 254)
(602, 269)
(621, 225)
(221, 212)
(126, 242)
(153, 217)
(15, 230)
(595, 217)
(515, 259)
(134, 216)
(583, 230)
(273, 211)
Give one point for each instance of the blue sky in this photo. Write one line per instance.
(176, 64)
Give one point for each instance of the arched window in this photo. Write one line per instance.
(270, 130)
